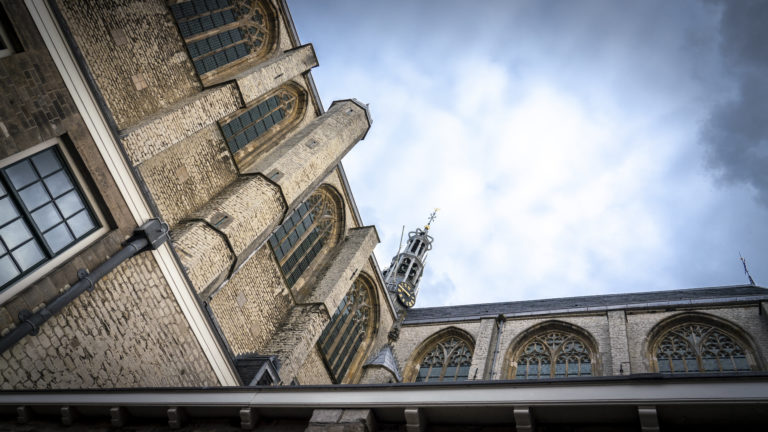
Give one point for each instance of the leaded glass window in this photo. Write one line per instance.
(449, 360)
(219, 32)
(258, 120)
(300, 239)
(700, 348)
(553, 354)
(42, 213)
(344, 335)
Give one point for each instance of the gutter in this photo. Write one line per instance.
(149, 236)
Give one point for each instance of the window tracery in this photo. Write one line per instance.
(343, 337)
(698, 347)
(553, 354)
(449, 360)
(221, 32)
(315, 225)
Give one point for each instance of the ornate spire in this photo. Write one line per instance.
(404, 273)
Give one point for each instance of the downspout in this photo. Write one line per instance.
(149, 236)
(499, 327)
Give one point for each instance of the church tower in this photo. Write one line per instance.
(404, 273)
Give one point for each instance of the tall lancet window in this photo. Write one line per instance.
(553, 354)
(309, 232)
(698, 347)
(449, 360)
(350, 325)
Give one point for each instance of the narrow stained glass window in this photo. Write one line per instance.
(258, 120)
(343, 336)
(42, 213)
(320, 220)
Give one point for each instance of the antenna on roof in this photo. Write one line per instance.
(746, 272)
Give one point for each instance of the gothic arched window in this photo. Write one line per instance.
(314, 227)
(448, 360)
(553, 354)
(699, 347)
(352, 322)
(221, 32)
(258, 123)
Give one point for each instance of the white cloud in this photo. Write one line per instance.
(555, 175)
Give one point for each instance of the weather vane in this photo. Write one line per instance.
(431, 218)
(744, 263)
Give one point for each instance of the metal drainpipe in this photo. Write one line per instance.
(149, 236)
(499, 327)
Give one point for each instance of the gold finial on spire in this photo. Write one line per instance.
(431, 218)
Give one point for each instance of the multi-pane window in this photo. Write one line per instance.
(449, 360)
(301, 238)
(700, 348)
(343, 336)
(256, 121)
(554, 354)
(219, 32)
(42, 213)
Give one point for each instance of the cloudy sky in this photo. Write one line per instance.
(573, 147)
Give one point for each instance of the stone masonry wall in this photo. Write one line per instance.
(313, 371)
(187, 175)
(297, 338)
(94, 341)
(128, 332)
(253, 304)
(134, 52)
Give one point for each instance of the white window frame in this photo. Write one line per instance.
(74, 249)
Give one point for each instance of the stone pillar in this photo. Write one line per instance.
(296, 337)
(226, 229)
(258, 80)
(351, 256)
(299, 163)
(619, 350)
(484, 347)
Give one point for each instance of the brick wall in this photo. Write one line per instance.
(128, 332)
(135, 54)
(251, 306)
(313, 370)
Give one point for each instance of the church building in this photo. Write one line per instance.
(180, 248)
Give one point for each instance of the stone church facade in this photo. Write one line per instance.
(174, 214)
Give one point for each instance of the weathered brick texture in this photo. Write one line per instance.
(203, 253)
(617, 329)
(299, 163)
(377, 374)
(350, 258)
(481, 358)
(297, 337)
(130, 41)
(262, 78)
(251, 306)
(313, 371)
(252, 207)
(178, 122)
(184, 177)
(128, 332)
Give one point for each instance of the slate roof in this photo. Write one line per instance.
(386, 359)
(727, 294)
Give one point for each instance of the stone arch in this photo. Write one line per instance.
(552, 349)
(303, 241)
(348, 338)
(254, 130)
(445, 355)
(700, 342)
